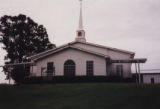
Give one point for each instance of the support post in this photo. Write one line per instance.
(136, 73)
(139, 74)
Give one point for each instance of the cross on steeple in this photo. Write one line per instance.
(80, 31)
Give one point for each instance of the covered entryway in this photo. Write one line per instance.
(69, 68)
(137, 65)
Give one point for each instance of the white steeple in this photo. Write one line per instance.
(80, 31)
(80, 17)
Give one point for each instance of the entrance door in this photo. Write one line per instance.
(69, 68)
(119, 70)
(152, 80)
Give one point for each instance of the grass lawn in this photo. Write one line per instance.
(80, 96)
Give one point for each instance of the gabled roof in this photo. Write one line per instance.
(40, 56)
(105, 47)
(47, 51)
(86, 43)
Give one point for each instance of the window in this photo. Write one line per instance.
(89, 68)
(50, 68)
(69, 68)
(79, 33)
(119, 70)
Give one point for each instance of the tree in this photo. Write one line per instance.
(18, 74)
(22, 37)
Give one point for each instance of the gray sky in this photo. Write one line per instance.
(126, 24)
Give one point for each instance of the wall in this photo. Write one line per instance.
(147, 78)
(126, 69)
(78, 57)
(113, 55)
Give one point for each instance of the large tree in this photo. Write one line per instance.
(22, 37)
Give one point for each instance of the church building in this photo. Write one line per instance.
(82, 58)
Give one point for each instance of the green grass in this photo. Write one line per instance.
(80, 96)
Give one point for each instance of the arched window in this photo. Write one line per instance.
(69, 68)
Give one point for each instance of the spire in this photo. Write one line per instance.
(80, 17)
(80, 31)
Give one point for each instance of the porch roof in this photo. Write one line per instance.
(23, 63)
(138, 60)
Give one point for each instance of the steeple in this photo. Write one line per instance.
(80, 17)
(80, 31)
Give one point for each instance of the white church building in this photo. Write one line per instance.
(82, 58)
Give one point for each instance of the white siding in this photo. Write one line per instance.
(126, 69)
(147, 78)
(78, 57)
(113, 55)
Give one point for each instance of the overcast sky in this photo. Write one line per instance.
(132, 25)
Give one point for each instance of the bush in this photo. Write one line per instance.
(18, 74)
